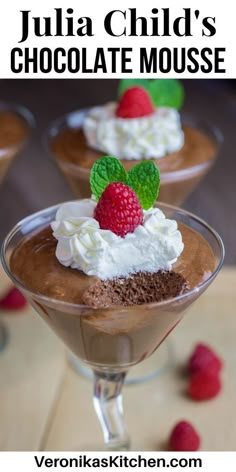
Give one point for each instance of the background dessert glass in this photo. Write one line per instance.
(114, 339)
(176, 185)
(16, 122)
(178, 179)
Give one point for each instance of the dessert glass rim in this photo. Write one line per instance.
(24, 113)
(196, 122)
(84, 307)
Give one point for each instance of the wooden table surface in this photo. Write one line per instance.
(45, 405)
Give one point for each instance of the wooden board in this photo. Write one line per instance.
(45, 405)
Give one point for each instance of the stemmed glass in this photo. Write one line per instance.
(112, 340)
(178, 179)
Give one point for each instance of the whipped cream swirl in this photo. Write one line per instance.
(151, 136)
(82, 245)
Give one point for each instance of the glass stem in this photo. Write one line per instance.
(107, 402)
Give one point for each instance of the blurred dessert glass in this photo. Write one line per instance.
(16, 123)
(181, 172)
(144, 123)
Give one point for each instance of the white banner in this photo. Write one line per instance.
(33, 461)
(89, 39)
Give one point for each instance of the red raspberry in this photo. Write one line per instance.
(204, 385)
(135, 103)
(13, 300)
(204, 358)
(119, 209)
(184, 438)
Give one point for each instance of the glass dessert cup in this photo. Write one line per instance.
(10, 146)
(112, 340)
(176, 184)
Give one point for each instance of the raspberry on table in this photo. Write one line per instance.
(135, 103)
(13, 300)
(118, 209)
(204, 385)
(204, 358)
(184, 437)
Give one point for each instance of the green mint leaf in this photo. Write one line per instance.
(144, 179)
(166, 93)
(107, 169)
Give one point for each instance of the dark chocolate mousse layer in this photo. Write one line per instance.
(138, 289)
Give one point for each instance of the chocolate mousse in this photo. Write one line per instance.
(116, 335)
(13, 133)
(118, 250)
(113, 275)
(71, 146)
(181, 169)
(34, 263)
(111, 285)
